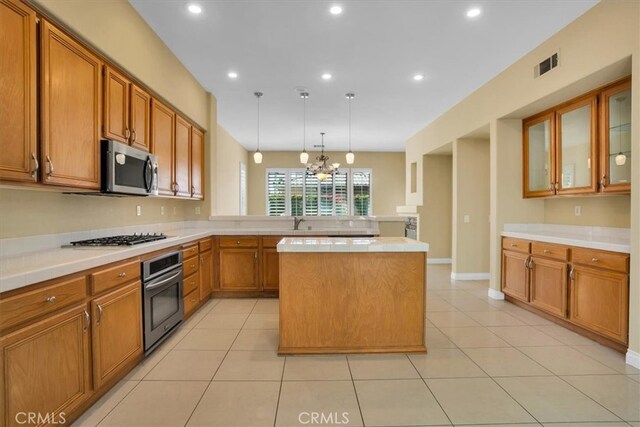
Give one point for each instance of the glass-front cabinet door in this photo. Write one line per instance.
(577, 155)
(615, 138)
(539, 168)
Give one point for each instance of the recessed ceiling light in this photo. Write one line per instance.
(335, 10)
(232, 75)
(418, 77)
(326, 76)
(474, 12)
(194, 8)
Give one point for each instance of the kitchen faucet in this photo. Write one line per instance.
(296, 223)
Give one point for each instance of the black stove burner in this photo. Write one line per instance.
(124, 240)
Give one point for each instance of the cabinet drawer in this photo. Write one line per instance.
(270, 242)
(33, 304)
(517, 245)
(205, 244)
(189, 251)
(191, 302)
(190, 266)
(550, 250)
(191, 283)
(115, 276)
(238, 242)
(601, 259)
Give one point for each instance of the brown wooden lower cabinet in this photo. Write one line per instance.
(206, 274)
(270, 269)
(46, 367)
(239, 269)
(116, 331)
(586, 290)
(548, 285)
(600, 301)
(515, 275)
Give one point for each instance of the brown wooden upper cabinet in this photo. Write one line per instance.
(127, 110)
(182, 158)
(70, 111)
(197, 163)
(615, 138)
(580, 147)
(162, 141)
(19, 155)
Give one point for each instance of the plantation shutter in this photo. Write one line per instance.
(276, 193)
(341, 194)
(326, 197)
(311, 195)
(296, 193)
(361, 193)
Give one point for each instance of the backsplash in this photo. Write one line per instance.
(35, 212)
(603, 211)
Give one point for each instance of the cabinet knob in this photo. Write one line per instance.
(123, 274)
(51, 299)
(546, 251)
(238, 242)
(513, 245)
(193, 266)
(594, 259)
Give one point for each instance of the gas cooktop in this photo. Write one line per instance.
(123, 240)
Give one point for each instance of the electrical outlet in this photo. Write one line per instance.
(197, 210)
(138, 210)
(467, 219)
(161, 210)
(577, 210)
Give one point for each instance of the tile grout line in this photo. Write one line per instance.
(284, 366)
(355, 391)
(218, 368)
(424, 381)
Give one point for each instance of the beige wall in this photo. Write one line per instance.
(435, 213)
(609, 211)
(116, 30)
(387, 170)
(600, 46)
(470, 241)
(229, 155)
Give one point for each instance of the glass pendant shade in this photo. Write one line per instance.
(621, 159)
(350, 158)
(304, 157)
(257, 157)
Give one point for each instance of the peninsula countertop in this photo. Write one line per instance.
(351, 244)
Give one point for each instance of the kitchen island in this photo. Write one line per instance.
(352, 295)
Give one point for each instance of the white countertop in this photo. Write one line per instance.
(603, 238)
(34, 266)
(344, 244)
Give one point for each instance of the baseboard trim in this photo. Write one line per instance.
(493, 294)
(439, 261)
(470, 276)
(633, 358)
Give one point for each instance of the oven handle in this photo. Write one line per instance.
(162, 282)
(148, 178)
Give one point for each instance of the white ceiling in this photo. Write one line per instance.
(373, 49)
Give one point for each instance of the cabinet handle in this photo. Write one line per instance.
(546, 251)
(99, 314)
(127, 134)
(51, 299)
(594, 260)
(193, 191)
(36, 166)
(123, 274)
(50, 163)
(133, 135)
(177, 188)
(514, 245)
(603, 181)
(531, 265)
(255, 256)
(238, 242)
(527, 262)
(87, 320)
(556, 186)
(571, 275)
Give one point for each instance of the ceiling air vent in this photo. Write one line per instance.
(545, 66)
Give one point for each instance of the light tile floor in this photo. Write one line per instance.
(489, 363)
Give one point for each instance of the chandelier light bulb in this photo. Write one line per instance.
(257, 157)
(621, 159)
(304, 157)
(351, 158)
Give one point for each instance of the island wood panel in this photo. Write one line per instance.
(352, 302)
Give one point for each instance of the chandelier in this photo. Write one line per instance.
(321, 169)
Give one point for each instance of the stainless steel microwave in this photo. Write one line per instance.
(128, 170)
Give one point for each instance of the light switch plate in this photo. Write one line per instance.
(138, 210)
(577, 210)
(467, 219)
(161, 210)
(197, 210)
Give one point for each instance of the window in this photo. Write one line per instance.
(293, 192)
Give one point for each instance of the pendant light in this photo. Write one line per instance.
(621, 158)
(350, 156)
(257, 156)
(304, 156)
